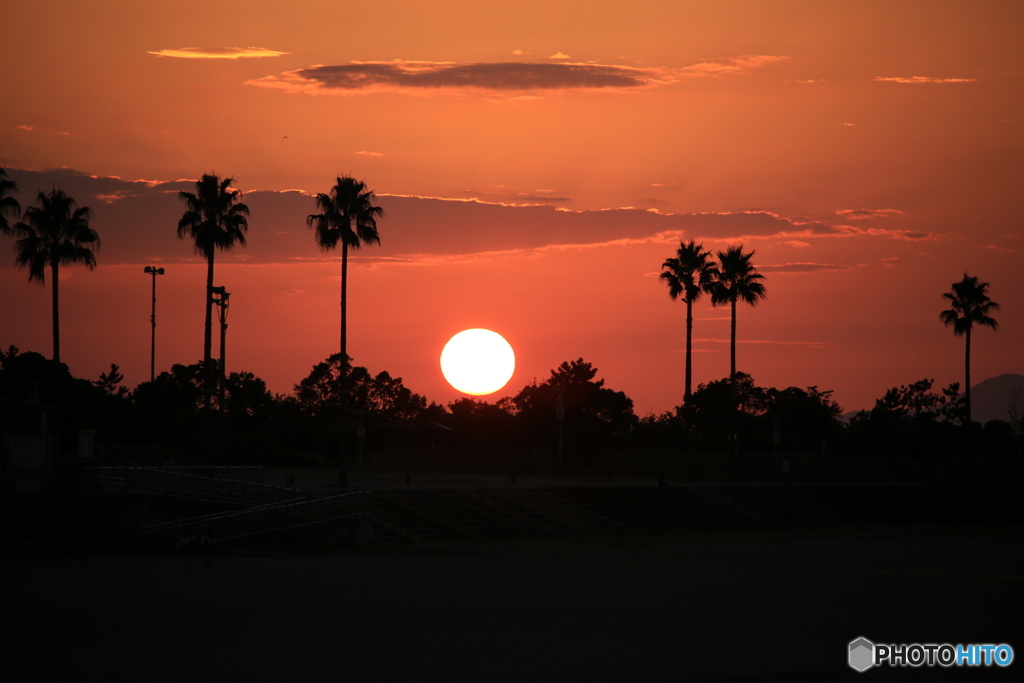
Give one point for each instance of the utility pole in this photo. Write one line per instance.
(152, 320)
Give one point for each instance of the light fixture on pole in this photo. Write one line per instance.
(150, 270)
(220, 299)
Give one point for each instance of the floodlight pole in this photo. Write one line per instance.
(152, 320)
(222, 313)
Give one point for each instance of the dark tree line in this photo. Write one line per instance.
(167, 419)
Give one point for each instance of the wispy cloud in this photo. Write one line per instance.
(861, 214)
(800, 268)
(559, 55)
(921, 79)
(369, 154)
(113, 196)
(505, 196)
(217, 52)
(773, 342)
(804, 267)
(35, 129)
(730, 65)
(907, 235)
(431, 77)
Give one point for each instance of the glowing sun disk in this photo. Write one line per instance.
(477, 362)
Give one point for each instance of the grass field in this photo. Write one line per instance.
(771, 607)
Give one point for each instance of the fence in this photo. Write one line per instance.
(190, 482)
(233, 529)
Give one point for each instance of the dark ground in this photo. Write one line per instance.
(698, 608)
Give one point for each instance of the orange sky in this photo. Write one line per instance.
(870, 153)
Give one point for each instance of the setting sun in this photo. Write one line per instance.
(478, 362)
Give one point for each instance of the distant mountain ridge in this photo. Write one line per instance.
(990, 398)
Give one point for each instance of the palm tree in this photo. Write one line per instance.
(690, 274)
(350, 218)
(737, 281)
(970, 306)
(55, 233)
(215, 218)
(8, 205)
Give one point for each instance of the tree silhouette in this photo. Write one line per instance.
(348, 217)
(969, 306)
(737, 280)
(55, 233)
(594, 415)
(215, 218)
(689, 274)
(8, 205)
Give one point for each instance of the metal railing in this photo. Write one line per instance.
(184, 483)
(230, 529)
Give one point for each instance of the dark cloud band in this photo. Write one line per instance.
(137, 220)
(425, 76)
(503, 76)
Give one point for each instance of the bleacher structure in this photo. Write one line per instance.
(151, 509)
(148, 509)
(480, 514)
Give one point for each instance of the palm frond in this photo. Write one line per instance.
(675, 287)
(347, 215)
(949, 317)
(55, 233)
(31, 254)
(692, 271)
(737, 279)
(214, 218)
(9, 206)
(969, 305)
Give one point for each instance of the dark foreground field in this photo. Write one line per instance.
(772, 608)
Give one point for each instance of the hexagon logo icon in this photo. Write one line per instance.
(862, 654)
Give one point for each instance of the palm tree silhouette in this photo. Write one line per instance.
(737, 281)
(8, 205)
(690, 274)
(55, 233)
(348, 217)
(969, 306)
(215, 218)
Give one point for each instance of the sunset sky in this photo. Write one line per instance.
(537, 162)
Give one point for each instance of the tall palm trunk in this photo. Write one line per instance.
(967, 375)
(56, 311)
(732, 386)
(208, 334)
(344, 302)
(732, 345)
(689, 347)
(342, 384)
